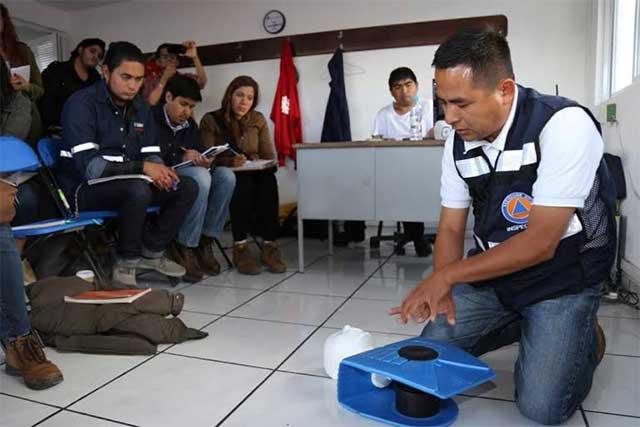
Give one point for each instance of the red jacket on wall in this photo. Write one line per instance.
(285, 112)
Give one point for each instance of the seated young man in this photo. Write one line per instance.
(109, 130)
(395, 122)
(179, 139)
(23, 351)
(62, 79)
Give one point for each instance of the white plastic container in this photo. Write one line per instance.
(344, 343)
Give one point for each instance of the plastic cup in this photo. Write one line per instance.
(86, 275)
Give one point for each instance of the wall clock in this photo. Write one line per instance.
(273, 21)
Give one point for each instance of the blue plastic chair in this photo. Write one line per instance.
(50, 150)
(17, 156)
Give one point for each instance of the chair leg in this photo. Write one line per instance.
(92, 260)
(224, 254)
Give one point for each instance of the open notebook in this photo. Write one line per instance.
(209, 152)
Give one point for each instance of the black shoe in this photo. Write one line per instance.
(423, 249)
(341, 239)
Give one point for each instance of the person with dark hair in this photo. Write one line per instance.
(179, 140)
(255, 198)
(163, 66)
(531, 165)
(23, 350)
(110, 131)
(61, 79)
(18, 54)
(398, 121)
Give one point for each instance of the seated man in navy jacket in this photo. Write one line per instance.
(179, 139)
(108, 131)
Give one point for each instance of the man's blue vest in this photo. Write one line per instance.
(502, 200)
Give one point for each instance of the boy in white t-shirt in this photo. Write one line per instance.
(394, 122)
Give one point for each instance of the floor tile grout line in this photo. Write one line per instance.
(304, 374)
(26, 399)
(48, 417)
(226, 362)
(618, 317)
(100, 417)
(629, 356)
(584, 416)
(635, 417)
(235, 408)
(497, 399)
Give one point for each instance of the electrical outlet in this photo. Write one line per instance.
(611, 113)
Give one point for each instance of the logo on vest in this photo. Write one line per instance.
(516, 208)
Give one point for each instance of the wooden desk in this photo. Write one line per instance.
(370, 181)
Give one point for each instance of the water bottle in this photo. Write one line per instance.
(416, 120)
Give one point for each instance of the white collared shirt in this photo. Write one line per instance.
(176, 128)
(570, 153)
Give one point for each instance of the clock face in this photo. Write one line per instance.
(273, 22)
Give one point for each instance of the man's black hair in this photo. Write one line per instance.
(86, 43)
(402, 73)
(183, 86)
(162, 46)
(119, 52)
(486, 52)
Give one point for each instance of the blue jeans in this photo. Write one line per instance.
(558, 345)
(210, 210)
(14, 321)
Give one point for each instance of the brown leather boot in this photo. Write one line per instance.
(206, 257)
(272, 257)
(245, 261)
(25, 357)
(186, 257)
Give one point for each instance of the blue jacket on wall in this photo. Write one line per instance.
(336, 126)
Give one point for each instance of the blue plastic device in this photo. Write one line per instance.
(446, 372)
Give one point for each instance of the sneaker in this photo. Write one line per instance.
(186, 257)
(423, 248)
(25, 358)
(206, 258)
(245, 261)
(602, 342)
(162, 265)
(272, 257)
(124, 271)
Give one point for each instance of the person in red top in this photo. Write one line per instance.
(285, 112)
(164, 65)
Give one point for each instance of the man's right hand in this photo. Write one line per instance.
(7, 203)
(163, 177)
(169, 71)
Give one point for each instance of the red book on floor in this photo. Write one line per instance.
(115, 296)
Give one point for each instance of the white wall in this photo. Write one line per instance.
(38, 13)
(623, 140)
(549, 41)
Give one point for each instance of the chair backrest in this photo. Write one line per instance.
(49, 149)
(17, 156)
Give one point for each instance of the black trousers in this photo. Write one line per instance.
(131, 198)
(255, 202)
(413, 230)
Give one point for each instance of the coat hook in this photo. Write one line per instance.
(340, 36)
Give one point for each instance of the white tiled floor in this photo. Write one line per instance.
(262, 362)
